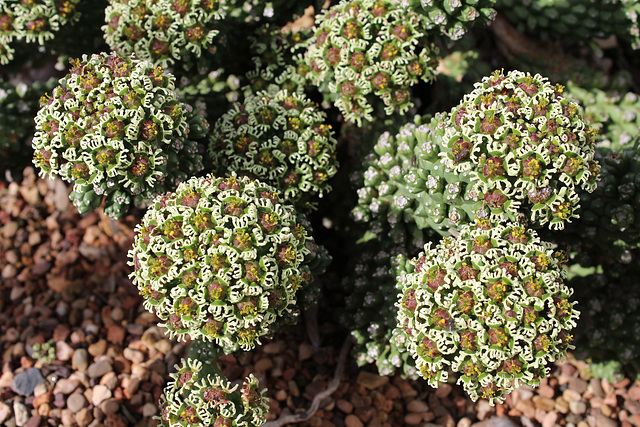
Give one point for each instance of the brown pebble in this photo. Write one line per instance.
(413, 419)
(446, 421)
(263, 365)
(352, 421)
(634, 392)
(417, 406)
(606, 410)
(276, 347)
(134, 356)
(98, 348)
(116, 334)
(526, 407)
(305, 351)
(344, 405)
(293, 388)
(561, 405)
(602, 421)
(571, 395)
(577, 407)
(544, 403)
(370, 380)
(443, 390)
(84, 417)
(546, 390)
(9, 271)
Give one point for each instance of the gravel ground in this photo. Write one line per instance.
(64, 286)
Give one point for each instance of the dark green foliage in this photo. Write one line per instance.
(608, 332)
(18, 105)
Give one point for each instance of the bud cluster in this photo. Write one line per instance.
(453, 17)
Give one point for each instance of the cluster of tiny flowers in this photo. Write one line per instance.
(115, 129)
(32, 21)
(525, 146)
(279, 139)
(489, 305)
(220, 260)
(163, 31)
(408, 178)
(195, 397)
(274, 65)
(364, 50)
(632, 12)
(453, 17)
(609, 326)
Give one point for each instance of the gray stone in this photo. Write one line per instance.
(98, 369)
(76, 401)
(80, 359)
(25, 382)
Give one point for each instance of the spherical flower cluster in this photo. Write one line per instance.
(195, 397)
(525, 147)
(280, 139)
(32, 21)
(609, 326)
(163, 31)
(489, 305)
(368, 49)
(453, 17)
(115, 128)
(220, 260)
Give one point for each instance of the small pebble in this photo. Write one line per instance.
(20, 413)
(99, 394)
(370, 380)
(352, 421)
(76, 401)
(98, 369)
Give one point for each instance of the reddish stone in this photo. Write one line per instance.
(116, 334)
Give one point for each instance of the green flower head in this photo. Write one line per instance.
(280, 139)
(369, 49)
(34, 21)
(525, 148)
(196, 397)
(490, 305)
(115, 129)
(220, 260)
